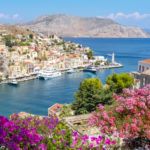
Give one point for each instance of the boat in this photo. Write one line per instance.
(90, 69)
(71, 71)
(13, 82)
(49, 74)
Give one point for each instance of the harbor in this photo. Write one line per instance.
(49, 73)
(35, 96)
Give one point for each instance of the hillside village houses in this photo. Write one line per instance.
(40, 53)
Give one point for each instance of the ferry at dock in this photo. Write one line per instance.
(49, 74)
(90, 69)
(13, 82)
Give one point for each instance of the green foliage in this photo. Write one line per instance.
(65, 111)
(28, 56)
(106, 63)
(23, 39)
(6, 76)
(118, 82)
(89, 54)
(79, 46)
(8, 43)
(61, 134)
(8, 40)
(11, 50)
(31, 36)
(105, 97)
(0, 79)
(97, 63)
(86, 96)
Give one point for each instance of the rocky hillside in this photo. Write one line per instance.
(72, 26)
(15, 30)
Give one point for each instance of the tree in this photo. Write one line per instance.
(86, 99)
(31, 36)
(105, 96)
(11, 50)
(89, 54)
(8, 43)
(106, 63)
(118, 82)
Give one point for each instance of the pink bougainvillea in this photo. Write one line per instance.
(128, 118)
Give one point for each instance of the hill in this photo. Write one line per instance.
(15, 30)
(73, 26)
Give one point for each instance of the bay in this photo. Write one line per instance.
(36, 96)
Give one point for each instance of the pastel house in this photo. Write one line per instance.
(143, 65)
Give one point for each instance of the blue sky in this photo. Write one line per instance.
(127, 12)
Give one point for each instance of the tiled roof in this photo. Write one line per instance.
(145, 61)
(56, 107)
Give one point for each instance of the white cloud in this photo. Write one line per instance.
(9, 17)
(3, 16)
(135, 15)
(15, 16)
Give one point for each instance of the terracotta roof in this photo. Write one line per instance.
(145, 61)
(56, 107)
(106, 85)
(28, 62)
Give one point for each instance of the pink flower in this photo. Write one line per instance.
(100, 106)
(119, 109)
(113, 142)
(108, 142)
(72, 146)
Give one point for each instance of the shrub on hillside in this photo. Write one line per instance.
(118, 82)
(48, 133)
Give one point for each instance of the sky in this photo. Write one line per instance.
(126, 12)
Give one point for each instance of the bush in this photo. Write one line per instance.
(11, 50)
(118, 82)
(65, 111)
(89, 54)
(128, 118)
(46, 133)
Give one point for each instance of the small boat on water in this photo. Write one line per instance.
(71, 71)
(90, 69)
(49, 74)
(13, 82)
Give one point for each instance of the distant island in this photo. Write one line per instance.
(73, 26)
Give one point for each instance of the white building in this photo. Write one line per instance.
(100, 58)
(143, 65)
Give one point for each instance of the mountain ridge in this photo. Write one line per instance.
(74, 26)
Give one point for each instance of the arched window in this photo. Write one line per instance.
(142, 68)
(139, 68)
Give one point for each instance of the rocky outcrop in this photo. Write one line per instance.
(72, 26)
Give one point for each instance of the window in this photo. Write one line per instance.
(139, 68)
(142, 68)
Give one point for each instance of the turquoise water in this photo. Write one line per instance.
(37, 95)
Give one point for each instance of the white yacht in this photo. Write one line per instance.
(48, 74)
(71, 71)
(90, 69)
(13, 82)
